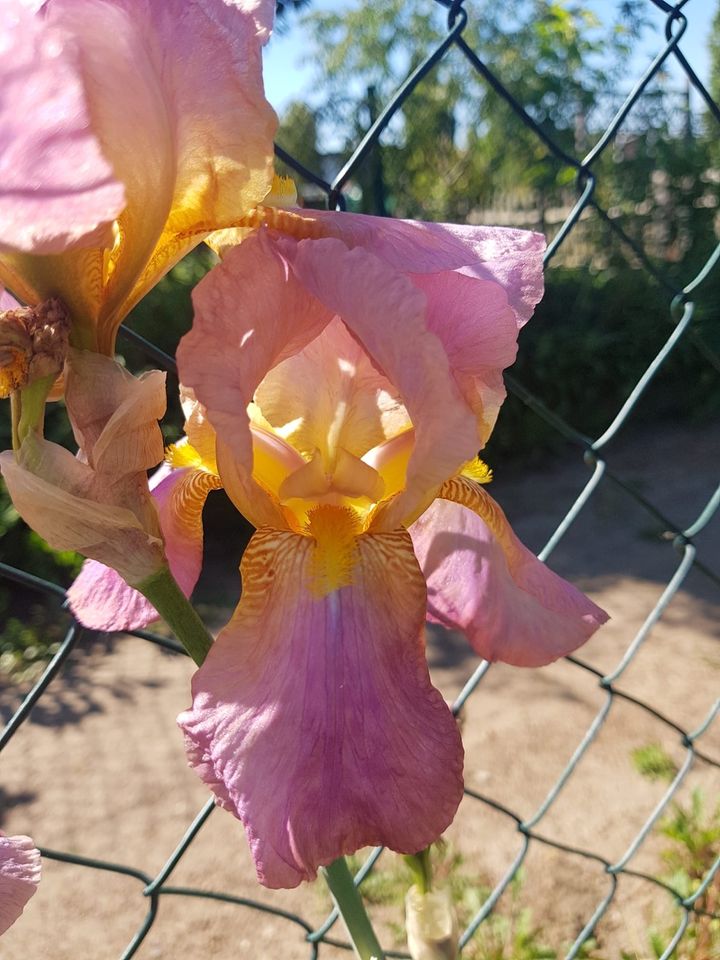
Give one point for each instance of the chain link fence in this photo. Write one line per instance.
(681, 313)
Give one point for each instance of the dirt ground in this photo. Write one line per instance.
(99, 769)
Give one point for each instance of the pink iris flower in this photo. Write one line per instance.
(341, 374)
(19, 877)
(129, 129)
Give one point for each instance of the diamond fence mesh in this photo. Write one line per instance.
(681, 314)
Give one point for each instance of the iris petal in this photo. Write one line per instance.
(313, 718)
(482, 580)
(19, 877)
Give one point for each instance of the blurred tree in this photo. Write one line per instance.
(555, 56)
(283, 10)
(298, 135)
(714, 48)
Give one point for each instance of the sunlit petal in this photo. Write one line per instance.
(19, 877)
(482, 580)
(509, 257)
(313, 717)
(387, 315)
(57, 189)
(159, 133)
(59, 497)
(97, 503)
(250, 314)
(331, 393)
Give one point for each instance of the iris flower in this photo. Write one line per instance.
(129, 129)
(341, 374)
(19, 877)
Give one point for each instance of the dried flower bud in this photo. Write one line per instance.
(33, 344)
(431, 923)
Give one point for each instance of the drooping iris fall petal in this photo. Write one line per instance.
(299, 287)
(167, 97)
(313, 717)
(482, 580)
(19, 877)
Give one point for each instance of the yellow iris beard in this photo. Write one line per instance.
(184, 454)
(477, 470)
(334, 530)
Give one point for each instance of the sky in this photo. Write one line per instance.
(287, 78)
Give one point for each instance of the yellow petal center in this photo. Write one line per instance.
(335, 530)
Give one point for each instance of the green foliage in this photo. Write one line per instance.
(714, 50)
(165, 313)
(509, 933)
(654, 762)
(27, 644)
(560, 64)
(694, 833)
(589, 342)
(298, 134)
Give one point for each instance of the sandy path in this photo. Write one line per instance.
(100, 769)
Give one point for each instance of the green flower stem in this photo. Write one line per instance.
(28, 409)
(420, 865)
(165, 595)
(350, 906)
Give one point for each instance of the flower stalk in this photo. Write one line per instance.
(165, 595)
(28, 409)
(351, 908)
(419, 863)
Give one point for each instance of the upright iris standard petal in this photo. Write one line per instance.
(313, 717)
(482, 580)
(511, 258)
(237, 337)
(357, 407)
(57, 189)
(481, 284)
(385, 312)
(165, 98)
(480, 344)
(19, 877)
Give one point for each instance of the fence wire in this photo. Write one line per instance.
(681, 306)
